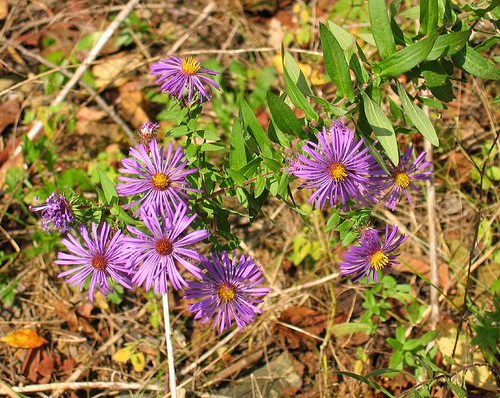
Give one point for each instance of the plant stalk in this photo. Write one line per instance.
(170, 348)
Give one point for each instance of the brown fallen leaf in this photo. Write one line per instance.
(420, 264)
(24, 338)
(9, 112)
(309, 320)
(4, 9)
(115, 71)
(133, 108)
(90, 113)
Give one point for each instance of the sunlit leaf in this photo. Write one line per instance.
(24, 338)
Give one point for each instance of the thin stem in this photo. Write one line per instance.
(170, 349)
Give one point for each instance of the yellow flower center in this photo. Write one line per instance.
(226, 292)
(190, 66)
(160, 181)
(164, 247)
(379, 260)
(99, 262)
(401, 179)
(337, 172)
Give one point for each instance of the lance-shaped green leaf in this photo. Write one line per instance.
(284, 117)
(428, 17)
(407, 58)
(296, 74)
(345, 39)
(382, 128)
(418, 117)
(381, 28)
(336, 64)
(446, 45)
(296, 95)
(474, 63)
(108, 187)
(254, 128)
(237, 152)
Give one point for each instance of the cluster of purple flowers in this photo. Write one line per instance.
(343, 172)
(155, 180)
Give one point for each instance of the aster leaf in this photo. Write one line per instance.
(254, 128)
(345, 39)
(332, 221)
(381, 28)
(428, 16)
(297, 98)
(407, 58)
(382, 128)
(341, 329)
(108, 187)
(336, 64)
(295, 74)
(237, 152)
(474, 63)
(418, 117)
(284, 117)
(449, 44)
(365, 380)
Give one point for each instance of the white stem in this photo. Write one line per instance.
(170, 348)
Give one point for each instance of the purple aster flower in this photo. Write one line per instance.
(371, 255)
(159, 178)
(56, 213)
(177, 73)
(339, 169)
(159, 251)
(148, 132)
(100, 258)
(228, 290)
(400, 177)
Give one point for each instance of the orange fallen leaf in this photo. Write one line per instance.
(24, 339)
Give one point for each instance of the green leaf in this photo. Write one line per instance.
(238, 178)
(475, 64)
(428, 17)
(88, 41)
(237, 152)
(333, 221)
(359, 70)
(446, 45)
(254, 128)
(284, 117)
(418, 117)
(345, 39)
(296, 74)
(363, 379)
(407, 58)
(260, 185)
(341, 329)
(297, 96)
(123, 216)
(107, 186)
(336, 64)
(382, 128)
(381, 28)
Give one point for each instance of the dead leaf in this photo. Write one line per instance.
(420, 264)
(90, 113)
(478, 376)
(9, 112)
(133, 108)
(4, 9)
(122, 355)
(116, 71)
(138, 361)
(68, 315)
(24, 338)
(305, 318)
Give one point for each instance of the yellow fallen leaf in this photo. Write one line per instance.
(24, 339)
(122, 355)
(138, 361)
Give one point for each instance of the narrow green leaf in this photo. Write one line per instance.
(341, 329)
(382, 128)
(336, 64)
(446, 45)
(358, 69)
(123, 216)
(363, 379)
(260, 185)
(407, 58)
(428, 17)
(296, 74)
(381, 28)
(475, 64)
(254, 128)
(345, 39)
(272, 164)
(332, 221)
(237, 152)
(284, 117)
(237, 177)
(418, 117)
(107, 186)
(297, 97)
